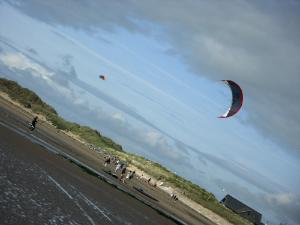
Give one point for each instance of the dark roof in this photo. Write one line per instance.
(241, 209)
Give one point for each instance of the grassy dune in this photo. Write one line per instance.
(30, 100)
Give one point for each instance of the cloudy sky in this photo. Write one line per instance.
(164, 61)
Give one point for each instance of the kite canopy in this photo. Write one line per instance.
(102, 77)
(237, 99)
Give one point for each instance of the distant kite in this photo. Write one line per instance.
(102, 77)
(237, 99)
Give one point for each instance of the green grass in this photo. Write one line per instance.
(29, 99)
(189, 189)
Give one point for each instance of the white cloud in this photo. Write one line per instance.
(18, 61)
(282, 198)
(119, 117)
(153, 138)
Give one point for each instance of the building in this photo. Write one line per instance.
(242, 209)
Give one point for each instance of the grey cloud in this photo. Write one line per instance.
(255, 43)
(93, 14)
(241, 42)
(66, 73)
(249, 175)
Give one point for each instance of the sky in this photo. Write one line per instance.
(164, 62)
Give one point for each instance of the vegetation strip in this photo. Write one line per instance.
(30, 100)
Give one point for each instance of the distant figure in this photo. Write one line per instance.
(131, 175)
(107, 161)
(118, 167)
(122, 178)
(33, 123)
(128, 174)
(123, 170)
(173, 196)
(113, 159)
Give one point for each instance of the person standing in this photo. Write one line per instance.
(33, 123)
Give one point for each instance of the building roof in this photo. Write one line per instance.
(241, 209)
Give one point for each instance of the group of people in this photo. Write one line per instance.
(128, 174)
(173, 196)
(119, 167)
(111, 160)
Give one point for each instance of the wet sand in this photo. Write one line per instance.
(39, 187)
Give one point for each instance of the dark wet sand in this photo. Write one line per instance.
(39, 187)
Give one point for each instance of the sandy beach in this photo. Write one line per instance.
(43, 150)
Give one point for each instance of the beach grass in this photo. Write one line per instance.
(29, 99)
